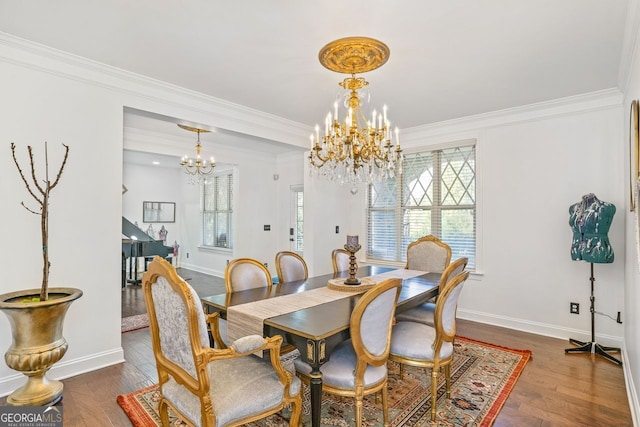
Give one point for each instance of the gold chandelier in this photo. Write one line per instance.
(197, 169)
(355, 149)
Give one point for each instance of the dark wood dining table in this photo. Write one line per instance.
(316, 330)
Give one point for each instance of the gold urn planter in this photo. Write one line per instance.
(36, 328)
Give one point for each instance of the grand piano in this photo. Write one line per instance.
(139, 244)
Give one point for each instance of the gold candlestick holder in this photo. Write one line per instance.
(352, 248)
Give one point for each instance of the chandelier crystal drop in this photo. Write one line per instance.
(197, 169)
(355, 146)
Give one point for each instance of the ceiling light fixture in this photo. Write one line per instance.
(197, 169)
(355, 149)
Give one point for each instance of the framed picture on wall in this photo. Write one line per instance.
(634, 154)
(158, 212)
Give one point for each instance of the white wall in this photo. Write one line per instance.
(531, 173)
(326, 205)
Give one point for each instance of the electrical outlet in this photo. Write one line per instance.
(574, 308)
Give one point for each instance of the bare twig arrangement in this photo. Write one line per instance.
(44, 189)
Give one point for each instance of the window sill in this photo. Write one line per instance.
(214, 249)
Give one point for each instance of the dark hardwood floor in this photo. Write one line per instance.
(555, 389)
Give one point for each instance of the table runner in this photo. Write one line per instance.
(247, 319)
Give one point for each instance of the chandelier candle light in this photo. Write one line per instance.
(197, 169)
(359, 147)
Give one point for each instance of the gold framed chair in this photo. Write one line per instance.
(430, 347)
(340, 260)
(207, 386)
(290, 267)
(424, 312)
(358, 366)
(428, 253)
(246, 273)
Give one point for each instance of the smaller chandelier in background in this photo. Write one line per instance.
(355, 148)
(197, 169)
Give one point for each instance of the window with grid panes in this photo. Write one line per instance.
(434, 195)
(217, 227)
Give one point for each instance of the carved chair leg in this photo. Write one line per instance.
(385, 406)
(434, 392)
(447, 376)
(296, 410)
(164, 412)
(358, 411)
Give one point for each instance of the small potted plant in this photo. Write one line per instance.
(36, 316)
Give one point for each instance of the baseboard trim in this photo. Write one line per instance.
(538, 328)
(67, 369)
(632, 396)
(202, 270)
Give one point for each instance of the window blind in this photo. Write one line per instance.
(435, 195)
(217, 227)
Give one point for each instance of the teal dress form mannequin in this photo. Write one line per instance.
(590, 220)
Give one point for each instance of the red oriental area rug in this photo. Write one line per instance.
(482, 376)
(133, 323)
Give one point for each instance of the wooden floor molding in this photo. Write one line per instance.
(555, 389)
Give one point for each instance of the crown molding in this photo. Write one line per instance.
(157, 142)
(470, 126)
(223, 114)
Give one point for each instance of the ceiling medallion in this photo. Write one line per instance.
(352, 55)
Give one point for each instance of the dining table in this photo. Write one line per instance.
(316, 330)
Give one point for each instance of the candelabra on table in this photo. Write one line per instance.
(352, 247)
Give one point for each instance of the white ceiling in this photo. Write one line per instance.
(449, 59)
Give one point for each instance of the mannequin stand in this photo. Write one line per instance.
(593, 347)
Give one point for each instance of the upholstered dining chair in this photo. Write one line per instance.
(358, 366)
(340, 260)
(207, 386)
(424, 312)
(239, 275)
(431, 347)
(290, 267)
(428, 253)
(246, 273)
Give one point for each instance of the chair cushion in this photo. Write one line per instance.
(339, 370)
(422, 314)
(415, 340)
(240, 387)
